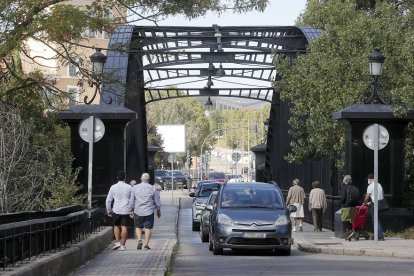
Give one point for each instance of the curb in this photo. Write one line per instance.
(311, 248)
(66, 260)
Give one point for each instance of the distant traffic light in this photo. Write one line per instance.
(190, 163)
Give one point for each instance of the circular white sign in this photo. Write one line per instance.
(172, 158)
(383, 137)
(85, 129)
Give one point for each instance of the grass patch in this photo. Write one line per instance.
(170, 266)
(406, 234)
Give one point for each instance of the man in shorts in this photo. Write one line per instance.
(120, 194)
(145, 199)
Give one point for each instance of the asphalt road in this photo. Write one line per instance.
(194, 258)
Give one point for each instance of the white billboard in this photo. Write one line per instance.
(173, 137)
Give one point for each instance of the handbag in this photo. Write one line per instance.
(383, 205)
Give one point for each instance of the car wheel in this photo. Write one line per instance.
(216, 250)
(210, 244)
(284, 252)
(203, 234)
(195, 226)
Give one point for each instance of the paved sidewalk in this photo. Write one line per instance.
(141, 262)
(325, 242)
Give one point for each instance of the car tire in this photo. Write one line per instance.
(203, 235)
(195, 226)
(216, 250)
(210, 244)
(284, 252)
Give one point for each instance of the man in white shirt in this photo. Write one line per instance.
(370, 195)
(145, 198)
(120, 194)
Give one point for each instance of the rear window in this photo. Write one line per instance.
(216, 175)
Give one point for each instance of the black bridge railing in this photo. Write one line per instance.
(22, 241)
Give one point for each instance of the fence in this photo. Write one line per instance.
(22, 241)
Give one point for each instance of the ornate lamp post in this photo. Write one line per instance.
(98, 60)
(376, 62)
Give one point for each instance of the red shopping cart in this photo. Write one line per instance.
(358, 225)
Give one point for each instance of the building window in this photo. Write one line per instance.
(73, 69)
(73, 96)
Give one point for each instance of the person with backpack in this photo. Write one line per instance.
(350, 197)
(317, 205)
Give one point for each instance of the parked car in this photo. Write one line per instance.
(205, 217)
(250, 215)
(180, 179)
(163, 178)
(235, 177)
(218, 176)
(200, 198)
(201, 182)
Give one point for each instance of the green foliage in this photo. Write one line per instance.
(187, 111)
(334, 73)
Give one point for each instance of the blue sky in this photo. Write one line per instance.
(279, 13)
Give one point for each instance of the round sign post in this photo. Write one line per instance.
(376, 137)
(91, 130)
(172, 158)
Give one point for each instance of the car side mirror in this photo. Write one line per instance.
(209, 207)
(192, 194)
(292, 208)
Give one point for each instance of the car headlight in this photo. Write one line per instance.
(282, 220)
(225, 220)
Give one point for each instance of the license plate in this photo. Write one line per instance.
(254, 235)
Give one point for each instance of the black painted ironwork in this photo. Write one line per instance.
(27, 240)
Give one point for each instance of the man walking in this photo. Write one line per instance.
(145, 198)
(120, 194)
(370, 199)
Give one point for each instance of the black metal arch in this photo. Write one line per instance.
(141, 57)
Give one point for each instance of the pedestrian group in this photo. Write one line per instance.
(139, 202)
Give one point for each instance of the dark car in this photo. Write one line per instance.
(205, 217)
(163, 178)
(250, 215)
(180, 179)
(218, 176)
(200, 198)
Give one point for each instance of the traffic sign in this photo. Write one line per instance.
(383, 137)
(85, 129)
(236, 157)
(172, 158)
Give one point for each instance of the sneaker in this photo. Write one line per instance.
(381, 239)
(123, 248)
(300, 228)
(147, 247)
(139, 246)
(294, 229)
(116, 246)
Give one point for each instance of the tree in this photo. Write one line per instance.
(334, 74)
(187, 111)
(59, 26)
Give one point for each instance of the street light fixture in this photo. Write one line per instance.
(98, 60)
(376, 62)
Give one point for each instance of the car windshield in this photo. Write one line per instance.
(207, 189)
(217, 175)
(253, 196)
(161, 173)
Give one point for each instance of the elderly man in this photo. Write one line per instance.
(119, 194)
(145, 198)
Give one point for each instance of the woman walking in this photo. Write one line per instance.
(317, 205)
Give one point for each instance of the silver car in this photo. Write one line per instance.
(200, 198)
(250, 215)
(205, 217)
